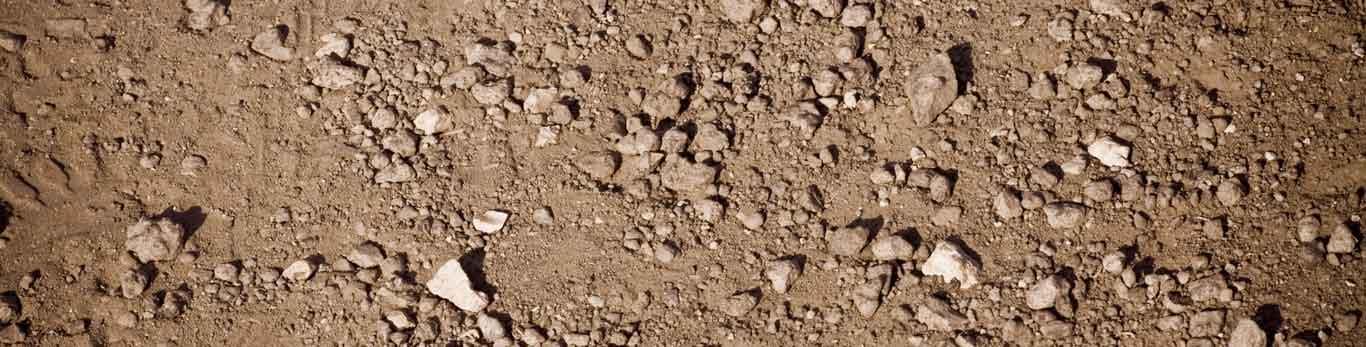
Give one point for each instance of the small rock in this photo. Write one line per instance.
(1046, 292)
(543, 216)
(952, 262)
(938, 315)
(491, 92)
(366, 255)
(1112, 8)
(12, 334)
(490, 221)
(335, 75)
(1230, 191)
(191, 164)
(226, 272)
(396, 173)
(1347, 321)
(598, 165)
(1101, 190)
(751, 219)
(1084, 76)
(946, 216)
(856, 16)
(491, 328)
(270, 43)
(1307, 229)
(666, 252)
(685, 176)
(1110, 152)
(741, 11)
(1342, 240)
(740, 303)
(538, 100)
(154, 239)
(1113, 262)
(932, 88)
(66, 28)
(451, 283)
(434, 121)
(334, 44)
(1207, 323)
(132, 283)
(847, 241)
(892, 247)
(205, 14)
(299, 271)
(782, 273)
(826, 8)
(1065, 214)
(639, 47)
(1246, 333)
(711, 138)
(1007, 204)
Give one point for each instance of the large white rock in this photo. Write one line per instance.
(952, 262)
(1110, 152)
(451, 283)
(491, 221)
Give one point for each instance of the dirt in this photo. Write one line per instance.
(647, 173)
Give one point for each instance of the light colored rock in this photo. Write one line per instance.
(1046, 292)
(490, 327)
(433, 121)
(226, 272)
(205, 14)
(1207, 323)
(1113, 262)
(335, 75)
(847, 241)
(538, 100)
(1112, 8)
(639, 46)
(685, 176)
(938, 315)
(741, 11)
(271, 44)
(1110, 152)
(826, 8)
(334, 44)
(1230, 192)
(952, 262)
(490, 221)
(1342, 240)
(856, 16)
(492, 57)
(892, 247)
(1246, 333)
(154, 239)
(132, 283)
(299, 271)
(1083, 76)
(666, 252)
(598, 165)
(451, 283)
(11, 42)
(396, 173)
(491, 92)
(1065, 214)
(782, 273)
(739, 304)
(366, 255)
(1007, 204)
(931, 88)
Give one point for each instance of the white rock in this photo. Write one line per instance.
(932, 87)
(491, 221)
(334, 44)
(538, 100)
(1247, 334)
(490, 327)
(892, 247)
(1110, 152)
(1044, 293)
(451, 283)
(781, 273)
(432, 122)
(299, 271)
(154, 239)
(1342, 240)
(952, 262)
(270, 43)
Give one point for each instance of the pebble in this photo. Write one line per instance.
(1230, 192)
(1007, 204)
(1110, 152)
(1113, 262)
(946, 216)
(1046, 292)
(299, 271)
(892, 247)
(856, 16)
(666, 252)
(334, 75)
(156, 239)
(270, 43)
(451, 283)
(598, 165)
(952, 262)
(1246, 333)
(491, 92)
(543, 216)
(931, 88)
(366, 255)
(750, 219)
(740, 303)
(132, 283)
(826, 8)
(1342, 240)
(226, 272)
(490, 221)
(66, 28)
(711, 138)
(782, 273)
(192, 164)
(396, 173)
(685, 176)
(538, 100)
(205, 14)
(741, 11)
(639, 47)
(433, 121)
(490, 327)
(1065, 214)
(1101, 190)
(1207, 323)
(847, 241)
(10, 308)
(1084, 76)
(936, 313)
(1307, 229)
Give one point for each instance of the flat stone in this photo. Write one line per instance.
(452, 283)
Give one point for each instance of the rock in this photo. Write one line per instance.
(1065, 214)
(490, 221)
(742, 11)
(10, 308)
(226, 272)
(946, 216)
(1046, 292)
(335, 75)
(685, 176)
(12, 42)
(639, 47)
(1101, 190)
(750, 219)
(1007, 204)
(892, 247)
(952, 262)
(491, 92)
(451, 283)
(1084, 76)
(205, 14)
(491, 328)
(66, 28)
(740, 303)
(366, 255)
(936, 314)
(1044, 88)
(666, 252)
(1113, 262)
(573, 339)
(1342, 240)
(856, 16)
(433, 121)
(1207, 288)
(154, 239)
(709, 209)
(931, 88)
(396, 173)
(711, 138)
(1230, 191)
(826, 8)
(1110, 152)
(847, 241)
(400, 319)
(13, 334)
(191, 164)
(538, 100)
(598, 165)
(334, 44)
(1347, 321)
(299, 271)
(1307, 229)
(1207, 323)
(782, 273)
(132, 283)
(543, 216)
(1246, 333)
(867, 297)
(941, 186)
(271, 44)
(400, 142)
(492, 57)
(1112, 8)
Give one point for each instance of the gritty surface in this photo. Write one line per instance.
(682, 173)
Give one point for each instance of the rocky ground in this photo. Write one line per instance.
(681, 173)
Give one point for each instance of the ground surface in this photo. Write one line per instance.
(1114, 172)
